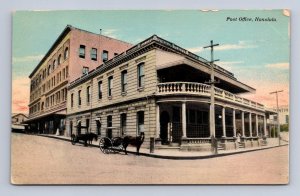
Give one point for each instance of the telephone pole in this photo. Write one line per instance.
(278, 125)
(212, 82)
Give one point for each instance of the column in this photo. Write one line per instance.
(183, 114)
(250, 124)
(256, 124)
(233, 123)
(157, 121)
(265, 126)
(223, 122)
(243, 124)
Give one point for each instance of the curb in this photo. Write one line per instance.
(178, 157)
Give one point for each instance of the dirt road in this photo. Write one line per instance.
(39, 160)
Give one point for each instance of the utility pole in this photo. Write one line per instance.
(278, 125)
(212, 82)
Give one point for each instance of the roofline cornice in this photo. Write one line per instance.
(142, 47)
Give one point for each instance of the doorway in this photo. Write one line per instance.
(164, 121)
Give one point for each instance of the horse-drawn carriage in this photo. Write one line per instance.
(115, 141)
(112, 141)
(86, 137)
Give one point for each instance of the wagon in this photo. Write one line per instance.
(112, 142)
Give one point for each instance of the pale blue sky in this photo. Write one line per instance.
(256, 52)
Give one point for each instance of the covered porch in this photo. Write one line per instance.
(185, 123)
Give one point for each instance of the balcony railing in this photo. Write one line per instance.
(204, 90)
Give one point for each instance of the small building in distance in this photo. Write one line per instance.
(17, 122)
(283, 113)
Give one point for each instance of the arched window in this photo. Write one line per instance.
(49, 70)
(66, 53)
(54, 65)
(59, 60)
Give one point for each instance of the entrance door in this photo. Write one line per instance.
(71, 127)
(164, 120)
(79, 128)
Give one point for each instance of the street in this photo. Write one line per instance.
(40, 160)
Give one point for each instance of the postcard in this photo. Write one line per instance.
(150, 97)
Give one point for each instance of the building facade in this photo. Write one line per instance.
(72, 55)
(283, 114)
(158, 88)
(17, 122)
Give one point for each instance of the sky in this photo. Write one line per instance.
(256, 52)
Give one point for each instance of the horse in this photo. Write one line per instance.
(91, 137)
(88, 137)
(134, 141)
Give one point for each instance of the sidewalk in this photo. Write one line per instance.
(176, 154)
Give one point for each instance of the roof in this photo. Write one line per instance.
(16, 114)
(67, 29)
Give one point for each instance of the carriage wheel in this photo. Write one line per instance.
(73, 139)
(105, 145)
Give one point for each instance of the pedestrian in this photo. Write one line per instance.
(238, 137)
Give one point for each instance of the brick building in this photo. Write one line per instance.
(72, 55)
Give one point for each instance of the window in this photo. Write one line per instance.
(104, 56)
(82, 51)
(64, 72)
(88, 94)
(54, 65)
(141, 75)
(66, 53)
(98, 126)
(100, 90)
(66, 94)
(109, 125)
(71, 127)
(140, 122)
(123, 118)
(59, 60)
(63, 94)
(49, 70)
(115, 54)
(110, 85)
(85, 70)
(79, 97)
(124, 81)
(67, 71)
(94, 54)
(87, 123)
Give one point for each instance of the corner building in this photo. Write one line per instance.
(73, 54)
(158, 88)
